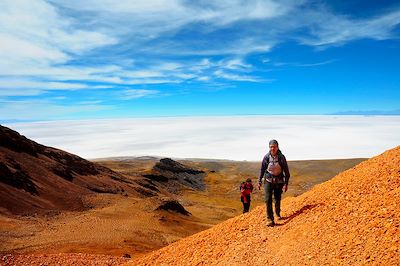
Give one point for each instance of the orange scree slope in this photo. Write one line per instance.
(351, 219)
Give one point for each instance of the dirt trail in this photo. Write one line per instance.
(352, 219)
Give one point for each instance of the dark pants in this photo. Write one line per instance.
(246, 206)
(276, 189)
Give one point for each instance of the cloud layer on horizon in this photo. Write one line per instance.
(230, 137)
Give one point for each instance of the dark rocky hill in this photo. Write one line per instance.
(175, 176)
(35, 178)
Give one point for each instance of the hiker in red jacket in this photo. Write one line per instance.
(245, 190)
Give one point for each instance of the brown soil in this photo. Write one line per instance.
(121, 225)
(353, 219)
(62, 259)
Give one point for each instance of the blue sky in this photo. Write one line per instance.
(104, 59)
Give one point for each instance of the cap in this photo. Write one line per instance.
(273, 142)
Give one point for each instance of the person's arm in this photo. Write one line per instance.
(285, 167)
(242, 195)
(264, 165)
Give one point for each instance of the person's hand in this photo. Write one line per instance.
(285, 187)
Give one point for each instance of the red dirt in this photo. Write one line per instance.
(353, 219)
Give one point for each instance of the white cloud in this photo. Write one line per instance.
(4, 92)
(34, 38)
(142, 74)
(35, 32)
(240, 47)
(163, 15)
(58, 41)
(169, 66)
(100, 73)
(150, 81)
(230, 76)
(315, 64)
(90, 102)
(23, 51)
(329, 29)
(225, 12)
(19, 87)
(236, 63)
(138, 93)
(280, 64)
(21, 84)
(44, 109)
(203, 78)
(159, 20)
(236, 137)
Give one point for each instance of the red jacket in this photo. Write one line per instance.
(245, 190)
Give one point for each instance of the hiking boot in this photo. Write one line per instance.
(271, 223)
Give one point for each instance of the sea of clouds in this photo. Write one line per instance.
(220, 137)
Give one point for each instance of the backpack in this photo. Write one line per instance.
(241, 185)
(276, 167)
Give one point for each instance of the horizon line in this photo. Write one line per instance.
(149, 157)
(350, 113)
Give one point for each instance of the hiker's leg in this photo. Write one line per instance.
(248, 203)
(246, 207)
(244, 204)
(278, 196)
(268, 200)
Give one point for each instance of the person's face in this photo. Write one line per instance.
(273, 149)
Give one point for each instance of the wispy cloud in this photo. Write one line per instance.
(235, 64)
(326, 28)
(46, 110)
(230, 76)
(34, 33)
(46, 41)
(316, 63)
(130, 94)
(294, 64)
(26, 87)
(46, 85)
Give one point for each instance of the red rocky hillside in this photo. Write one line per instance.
(352, 219)
(38, 179)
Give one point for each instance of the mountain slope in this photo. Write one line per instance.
(52, 201)
(351, 219)
(37, 179)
